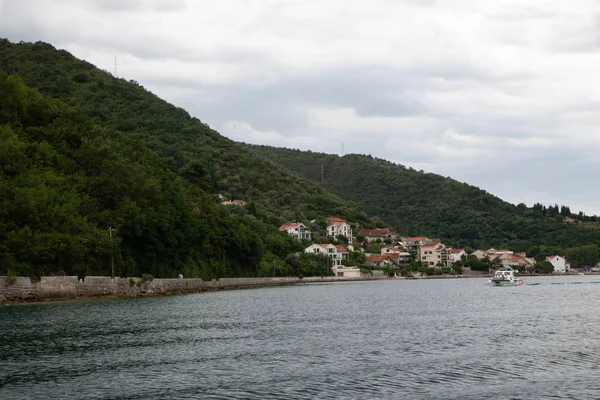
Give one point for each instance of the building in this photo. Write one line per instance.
(434, 254)
(455, 255)
(234, 203)
(515, 260)
(414, 243)
(480, 254)
(338, 227)
(297, 229)
(381, 260)
(400, 256)
(559, 263)
(491, 253)
(336, 252)
(372, 235)
(345, 272)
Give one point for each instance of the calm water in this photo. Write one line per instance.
(427, 339)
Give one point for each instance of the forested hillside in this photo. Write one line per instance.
(82, 152)
(418, 203)
(187, 146)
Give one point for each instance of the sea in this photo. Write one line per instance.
(392, 339)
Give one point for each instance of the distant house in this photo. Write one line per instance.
(434, 254)
(234, 203)
(337, 227)
(391, 250)
(515, 260)
(297, 229)
(568, 220)
(337, 253)
(559, 263)
(414, 243)
(480, 254)
(455, 255)
(372, 235)
(400, 256)
(340, 271)
(492, 253)
(381, 260)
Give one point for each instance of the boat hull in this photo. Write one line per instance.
(506, 283)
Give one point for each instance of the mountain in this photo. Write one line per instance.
(83, 152)
(418, 203)
(189, 147)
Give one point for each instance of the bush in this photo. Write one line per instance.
(11, 277)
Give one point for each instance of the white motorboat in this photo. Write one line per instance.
(505, 277)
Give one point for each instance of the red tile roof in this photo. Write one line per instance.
(292, 225)
(378, 257)
(374, 232)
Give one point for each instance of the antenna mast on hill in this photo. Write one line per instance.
(342, 149)
(115, 65)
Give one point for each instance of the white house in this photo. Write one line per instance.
(480, 254)
(559, 263)
(337, 226)
(455, 255)
(372, 235)
(337, 253)
(297, 229)
(340, 271)
(415, 243)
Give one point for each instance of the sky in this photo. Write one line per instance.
(503, 95)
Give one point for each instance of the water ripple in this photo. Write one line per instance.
(437, 339)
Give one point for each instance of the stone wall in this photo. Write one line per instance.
(65, 287)
(21, 289)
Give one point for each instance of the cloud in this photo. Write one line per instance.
(137, 5)
(498, 94)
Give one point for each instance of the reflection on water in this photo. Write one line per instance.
(430, 339)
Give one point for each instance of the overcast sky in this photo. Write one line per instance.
(503, 95)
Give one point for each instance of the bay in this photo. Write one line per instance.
(400, 339)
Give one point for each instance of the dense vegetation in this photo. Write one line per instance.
(418, 203)
(82, 152)
(187, 146)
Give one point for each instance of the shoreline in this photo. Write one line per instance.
(56, 289)
(50, 289)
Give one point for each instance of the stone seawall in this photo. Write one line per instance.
(22, 289)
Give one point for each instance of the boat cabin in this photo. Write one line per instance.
(504, 274)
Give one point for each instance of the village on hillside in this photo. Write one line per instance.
(413, 256)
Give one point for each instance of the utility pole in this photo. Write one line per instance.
(112, 253)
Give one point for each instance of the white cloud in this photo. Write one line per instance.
(498, 93)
